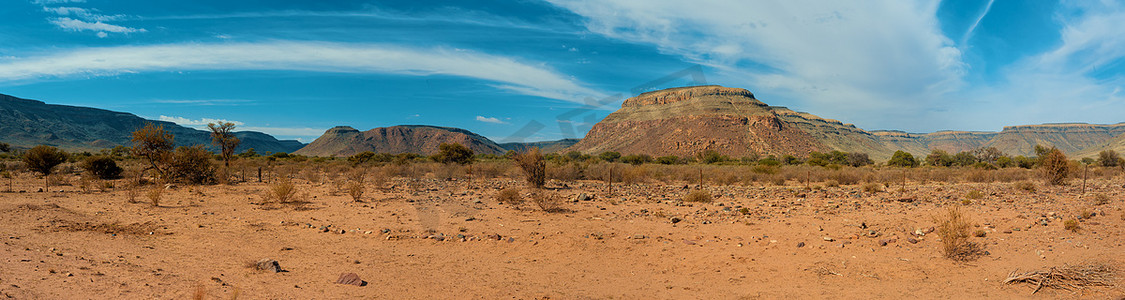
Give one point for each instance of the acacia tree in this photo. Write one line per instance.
(154, 145)
(222, 135)
(43, 159)
(449, 153)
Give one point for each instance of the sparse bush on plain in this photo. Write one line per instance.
(1101, 199)
(43, 159)
(872, 188)
(1025, 185)
(102, 167)
(533, 166)
(1072, 225)
(698, 196)
(154, 195)
(355, 190)
(1055, 167)
(954, 229)
(281, 191)
(974, 194)
(191, 165)
(510, 196)
(547, 201)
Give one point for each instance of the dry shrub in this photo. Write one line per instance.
(974, 194)
(510, 196)
(355, 189)
(449, 171)
(155, 194)
(85, 184)
(1025, 185)
(281, 191)
(979, 175)
(872, 188)
(1072, 225)
(533, 166)
(58, 179)
(980, 233)
(1011, 174)
(1067, 277)
(378, 178)
(547, 201)
(698, 196)
(848, 176)
(1055, 167)
(630, 174)
(132, 192)
(1101, 199)
(953, 228)
(566, 172)
(312, 175)
(831, 183)
(1085, 214)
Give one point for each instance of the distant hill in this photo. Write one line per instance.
(545, 146)
(27, 123)
(421, 139)
(688, 120)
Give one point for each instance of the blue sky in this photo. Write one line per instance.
(509, 70)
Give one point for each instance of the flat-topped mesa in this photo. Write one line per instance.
(685, 93)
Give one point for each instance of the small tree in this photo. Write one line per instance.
(102, 166)
(1055, 166)
(222, 135)
(1109, 158)
(609, 156)
(902, 159)
(533, 165)
(453, 153)
(191, 165)
(43, 159)
(154, 145)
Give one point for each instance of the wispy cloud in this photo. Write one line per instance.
(205, 102)
(511, 74)
(196, 123)
(492, 120)
(97, 26)
(1079, 80)
(969, 33)
(845, 57)
(48, 2)
(81, 13)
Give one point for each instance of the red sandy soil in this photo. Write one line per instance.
(68, 244)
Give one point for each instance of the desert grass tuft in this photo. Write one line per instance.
(953, 228)
(698, 196)
(510, 196)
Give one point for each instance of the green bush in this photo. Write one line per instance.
(902, 159)
(102, 166)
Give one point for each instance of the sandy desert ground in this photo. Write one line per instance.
(435, 239)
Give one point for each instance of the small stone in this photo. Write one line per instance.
(800, 244)
(1008, 231)
(494, 236)
(350, 279)
(638, 237)
(912, 240)
(829, 239)
(268, 265)
(675, 220)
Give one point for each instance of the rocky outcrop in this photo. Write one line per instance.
(421, 139)
(687, 121)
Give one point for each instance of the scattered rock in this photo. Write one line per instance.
(829, 239)
(584, 197)
(351, 279)
(268, 265)
(638, 237)
(912, 240)
(675, 220)
(800, 244)
(1009, 231)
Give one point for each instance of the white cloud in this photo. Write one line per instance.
(525, 78)
(287, 131)
(492, 120)
(196, 123)
(81, 13)
(98, 26)
(47, 2)
(204, 102)
(1080, 80)
(850, 58)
